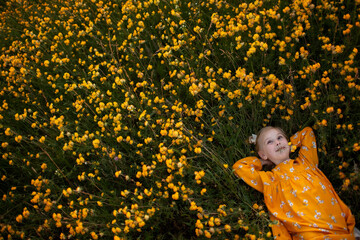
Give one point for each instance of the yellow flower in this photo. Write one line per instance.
(118, 139)
(281, 61)
(18, 138)
(173, 133)
(207, 234)
(195, 89)
(117, 173)
(227, 228)
(197, 29)
(26, 213)
(42, 139)
(197, 150)
(19, 218)
(96, 143)
(66, 75)
(94, 235)
(227, 75)
(340, 154)
(43, 166)
(203, 191)
(199, 224)
(356, 147)
(330, 109)
(323, 122)
(175, 196)
(101, 124)
(346, 16)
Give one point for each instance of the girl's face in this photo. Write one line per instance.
(273, 146)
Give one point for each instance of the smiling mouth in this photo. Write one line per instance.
(281, 149)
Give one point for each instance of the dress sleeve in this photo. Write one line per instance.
(305, 140)
(350, 219)
(249, 170)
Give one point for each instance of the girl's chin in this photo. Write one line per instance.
(283, 158)
(281, 161)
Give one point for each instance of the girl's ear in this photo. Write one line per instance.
(262, 155)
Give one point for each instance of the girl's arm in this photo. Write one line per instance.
(249, 170)
(305, 140)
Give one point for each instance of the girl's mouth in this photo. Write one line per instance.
(281, 149)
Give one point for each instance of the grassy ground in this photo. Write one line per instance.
(122, 119)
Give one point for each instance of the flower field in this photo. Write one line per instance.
(122, 119)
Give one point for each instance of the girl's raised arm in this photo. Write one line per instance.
(305, 140)
(249, 170)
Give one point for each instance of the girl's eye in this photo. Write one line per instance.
(280, 137)
(269, 142)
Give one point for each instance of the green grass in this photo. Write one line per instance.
(145, 105)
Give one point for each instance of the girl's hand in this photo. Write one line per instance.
(266, 162)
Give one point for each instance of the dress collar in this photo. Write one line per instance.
(284, 165)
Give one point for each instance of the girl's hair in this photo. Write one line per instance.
(264, 129)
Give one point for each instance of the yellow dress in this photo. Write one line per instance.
(298, 194)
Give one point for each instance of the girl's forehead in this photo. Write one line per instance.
(270, 133)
